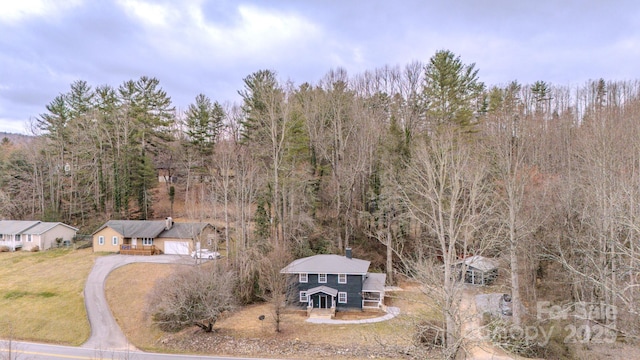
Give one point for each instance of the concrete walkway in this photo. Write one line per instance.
(392, 312)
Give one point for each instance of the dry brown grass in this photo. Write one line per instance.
(127, 290)
(245, 323)
(41, 295)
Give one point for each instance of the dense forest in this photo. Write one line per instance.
(420, 164)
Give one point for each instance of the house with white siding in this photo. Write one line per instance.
(26, 234)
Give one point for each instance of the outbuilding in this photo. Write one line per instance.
(477, 270)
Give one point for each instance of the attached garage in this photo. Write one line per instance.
(150, 237)
(176, 247)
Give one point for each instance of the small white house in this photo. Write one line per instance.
(25, 235)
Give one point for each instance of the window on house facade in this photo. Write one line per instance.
(303, 297)
(1, 236)
(114, 240)
(147, 241)
(303, 278)
(322, 278)
(100, 240)
(17, 238)
(342, 278)
(342, 297)
(28, 237)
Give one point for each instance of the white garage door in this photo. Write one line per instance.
(176, 247)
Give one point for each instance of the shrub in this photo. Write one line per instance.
(192, 296)
(503, 336)
(516, 342)
(429, 334)
(4, 249)
(35, 248)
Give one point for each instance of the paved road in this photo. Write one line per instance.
(25, 350)
(107, 340)
(105, 332)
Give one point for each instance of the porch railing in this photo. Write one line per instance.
(11, 244)
(128, 249)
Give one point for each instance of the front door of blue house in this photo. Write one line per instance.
(322, 301)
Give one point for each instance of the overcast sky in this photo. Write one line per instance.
(199, 46)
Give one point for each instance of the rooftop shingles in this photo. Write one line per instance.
(327, 264)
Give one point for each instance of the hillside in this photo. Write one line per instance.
(15, 138)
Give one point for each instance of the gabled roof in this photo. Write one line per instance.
(374, 282)
(28, 227)
(322, 289)
(479, 262)
(43, 227)
(184, 230)
(16, 226)
(327, 264)
(154, 229)
(135, 228)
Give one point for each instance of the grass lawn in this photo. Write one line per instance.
(41, 295)
(127, 288)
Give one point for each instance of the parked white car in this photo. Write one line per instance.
(205, 254)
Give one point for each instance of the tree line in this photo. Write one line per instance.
(422, 164)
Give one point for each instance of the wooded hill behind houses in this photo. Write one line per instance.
(14, 138)
(421, 161)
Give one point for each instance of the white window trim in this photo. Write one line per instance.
(100, 240)
(303, 278)
(343, 281)
(303, 297)
(340, 300)
(322, 281)
(17, 237)
(29, 239)
(147, 241)
(114, 240)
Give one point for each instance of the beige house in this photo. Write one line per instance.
(149, 237)
(26, 235)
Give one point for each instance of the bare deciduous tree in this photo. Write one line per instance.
(445, 190)
(509, 140)
(193, 296)
(275, 287)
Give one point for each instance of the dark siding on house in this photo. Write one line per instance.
(353, 288)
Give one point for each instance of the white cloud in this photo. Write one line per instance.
(14, 126)
(15, 11)
(626, 45)
(150, 14)
(181, 30)
(267, 28)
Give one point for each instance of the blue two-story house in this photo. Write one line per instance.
(335, 282)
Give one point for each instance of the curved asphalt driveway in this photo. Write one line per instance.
(105, 332)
